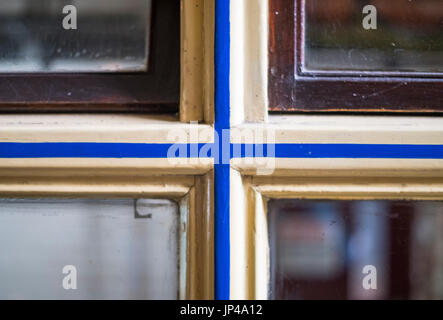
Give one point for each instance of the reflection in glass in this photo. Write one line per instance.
(122, 249)
(111, 35)
(319, 249)
(408, 38)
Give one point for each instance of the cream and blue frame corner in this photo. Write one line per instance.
(112, 156)
(316, 156)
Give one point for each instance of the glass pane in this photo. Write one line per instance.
(110, 35)
(121, 249)
(356, 249)
(404, 36)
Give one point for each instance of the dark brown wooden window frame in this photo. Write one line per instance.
(292, 90)
(154, 91)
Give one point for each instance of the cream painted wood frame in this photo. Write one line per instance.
(250, 256)
(256, 180)
(197, 60)
(192, 193)
(187, 181)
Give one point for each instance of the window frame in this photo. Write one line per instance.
(250, 261)
(154, 91)
(307, 177)
(293, 90)
(28, 178)
(190, 77)
(188, 181)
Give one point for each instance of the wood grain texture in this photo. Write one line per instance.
(197, 61)
(154, 91)
(281, 55)
(291, 91)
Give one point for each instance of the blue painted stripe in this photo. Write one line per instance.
(221, 171)
(152, 150)
(96, 150)
(356, 151)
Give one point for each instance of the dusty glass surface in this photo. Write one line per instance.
(356, 249)
(408, 36)
(121, 249)
(110, 35)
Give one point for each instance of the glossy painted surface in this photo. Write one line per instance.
(396, 78)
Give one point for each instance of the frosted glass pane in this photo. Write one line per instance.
(110, 35)
(121, 249)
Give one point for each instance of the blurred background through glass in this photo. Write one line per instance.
(319, 249)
